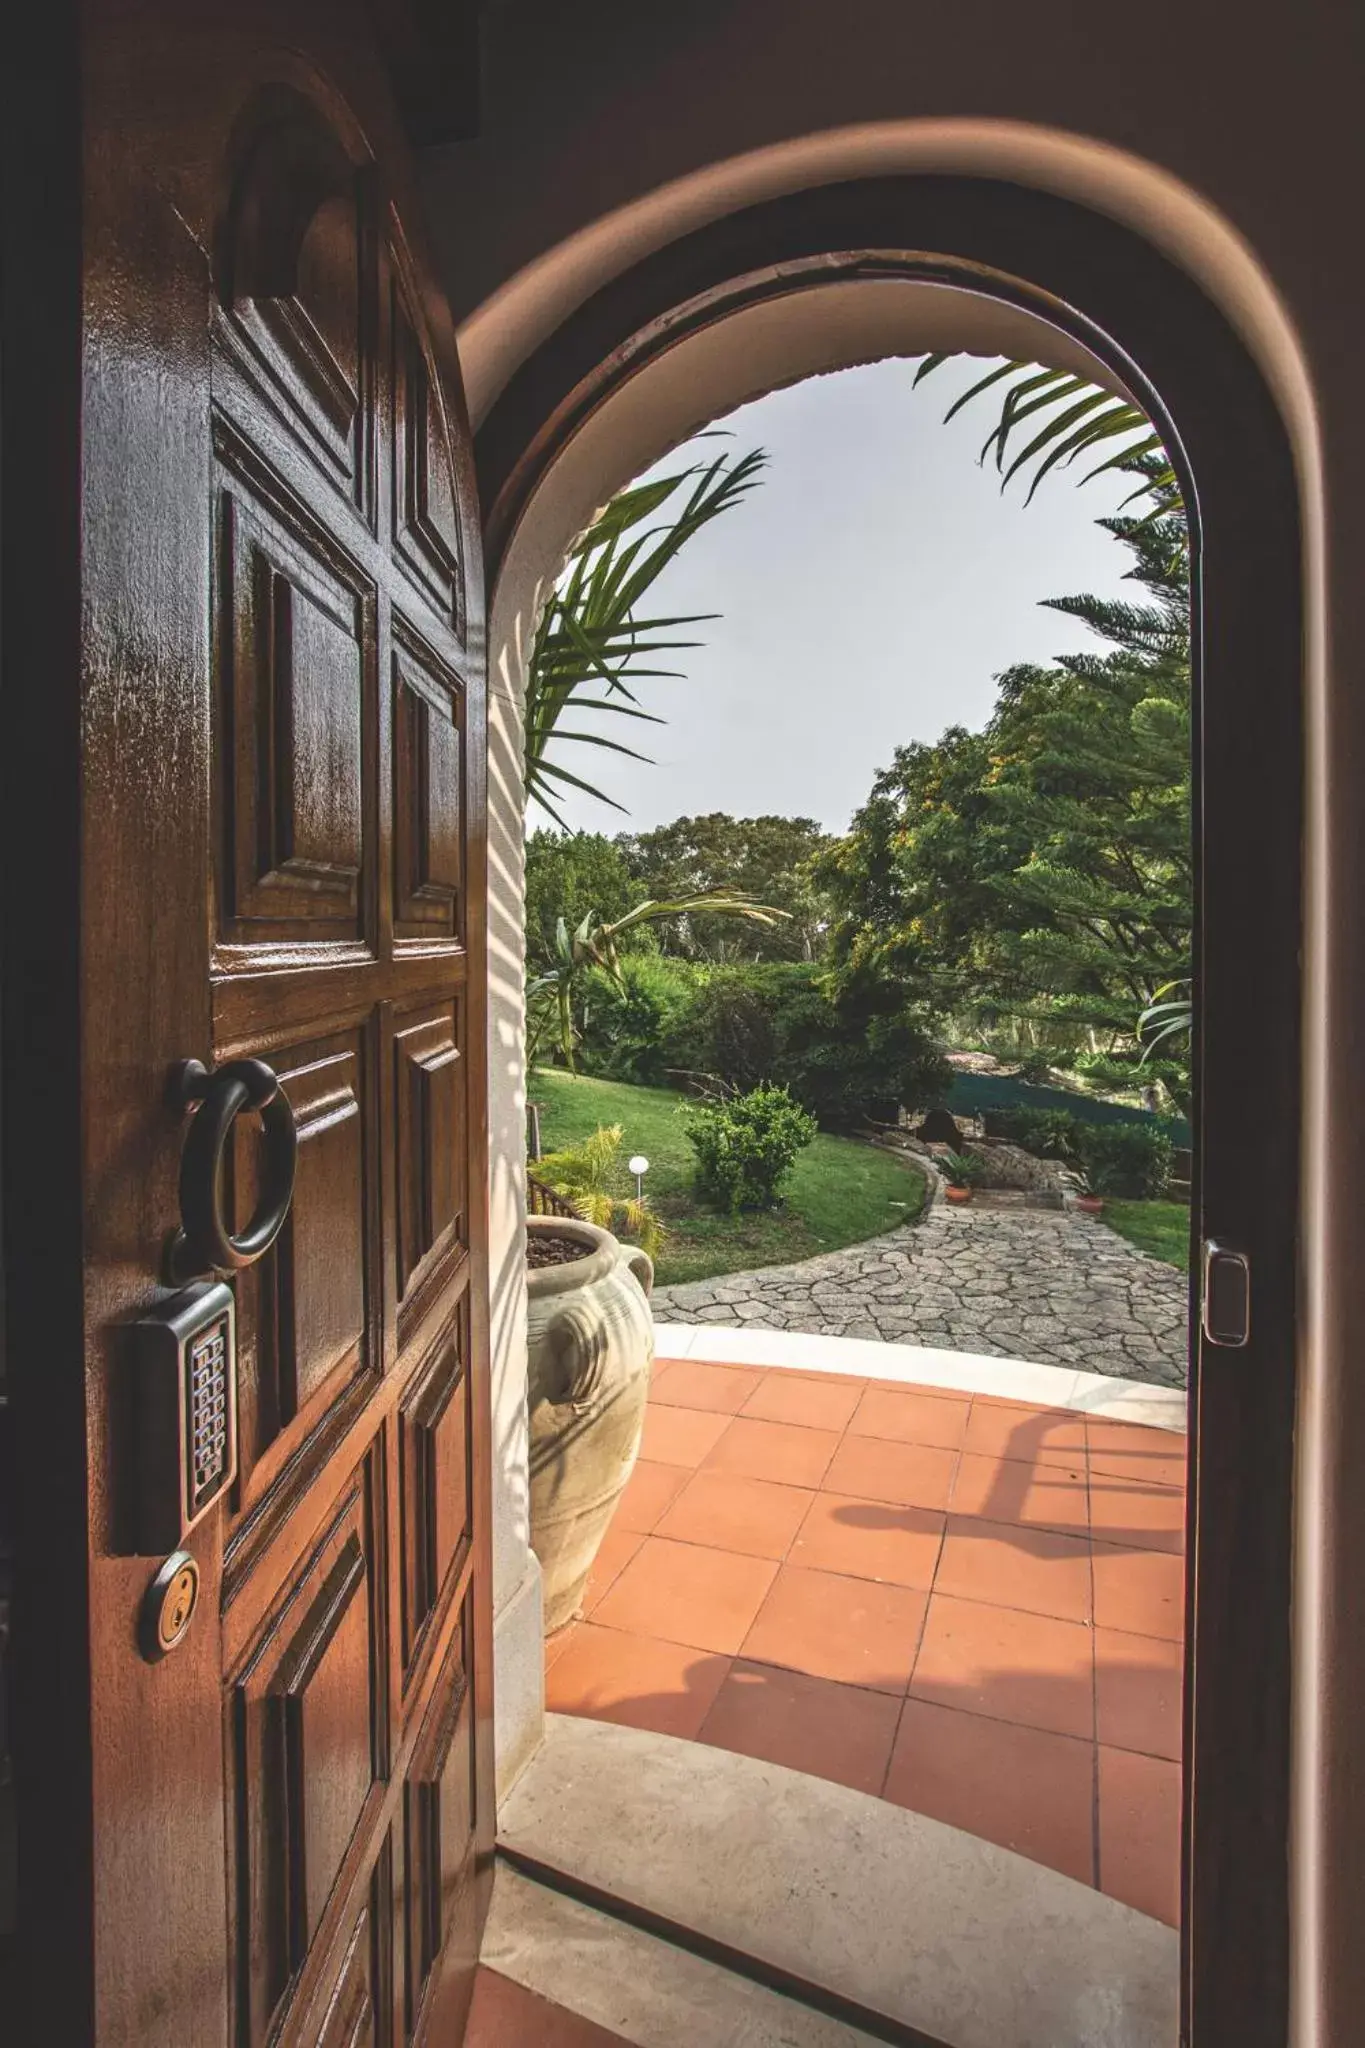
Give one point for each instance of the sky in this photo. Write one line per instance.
(869, 591)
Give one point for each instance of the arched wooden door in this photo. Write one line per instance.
(283, 862)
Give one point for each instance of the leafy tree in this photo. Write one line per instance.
(846, 1057)
(1044, 865)
(767, 858)
(569, 874)
(591, 646)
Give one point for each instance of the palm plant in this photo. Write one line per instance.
(1171, 1018)
(582, 1173)
(591, 648)
(551, 996)
(1089, 418)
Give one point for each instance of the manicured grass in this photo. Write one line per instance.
(840, 1190)
(1161, 1229)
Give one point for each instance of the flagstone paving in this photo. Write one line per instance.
(1057, 1288)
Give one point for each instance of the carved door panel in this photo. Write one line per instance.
(285, 862)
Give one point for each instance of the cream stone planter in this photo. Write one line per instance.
(590, 1337)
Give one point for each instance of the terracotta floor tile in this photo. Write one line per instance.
(869, 1539)
(615, 1552)
(1035, 1569)
(680, 1436)
(780, 1451)
(832, 1731)
(728, 1512)
(1012, 1666)
(558, 1643)
(649, 1490)
(800, 1397)
(906, 1416)
(1140, 1832)
(691, 1383)
(1136, 1513)
(851, 1630)
(1043, 1436)
(1036, 1496)
(1126, 1450)
(687, 1593)
(1142, 1591)
(505, 2015)
(1138, 1683)
(1025, 1788)
(905, 1475)
(636, 1680)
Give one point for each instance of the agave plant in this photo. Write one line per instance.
(582, 1174)
(1089, 418)
(591, 648)
(550, 997)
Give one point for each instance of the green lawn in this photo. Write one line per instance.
(840, 1190)
(1162, 1229)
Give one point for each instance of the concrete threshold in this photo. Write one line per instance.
(1009, 1379)
(934, 1930)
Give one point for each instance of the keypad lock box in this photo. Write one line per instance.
(187, 1411)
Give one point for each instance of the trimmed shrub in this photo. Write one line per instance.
(1132, 1161)
(747, 1147)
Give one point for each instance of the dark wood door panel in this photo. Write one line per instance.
(297, 719)
(439, 1806)
(435, 1497)
(282, 837)
(308, 1742)
(428, 791)
(298, 282)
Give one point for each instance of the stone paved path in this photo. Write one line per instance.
(1054, 1288)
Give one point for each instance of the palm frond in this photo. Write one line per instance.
(1082, 415)
(590, 639)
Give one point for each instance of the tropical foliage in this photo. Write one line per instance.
(1059, 417)
(583, 1174)
(592, 647)
(553, 997)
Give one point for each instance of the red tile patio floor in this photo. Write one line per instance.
(967, 1606)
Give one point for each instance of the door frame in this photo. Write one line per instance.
(1146, 319)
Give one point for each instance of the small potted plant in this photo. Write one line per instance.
(1087, 1201)
(960, 1175)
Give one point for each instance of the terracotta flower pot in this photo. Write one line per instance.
(1090, 1205)
(958, 1195)
(590, 1338)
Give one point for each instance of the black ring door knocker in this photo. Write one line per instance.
(204, 1243)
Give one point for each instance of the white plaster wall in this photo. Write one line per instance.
(517, 1633)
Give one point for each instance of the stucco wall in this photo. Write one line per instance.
(1236, 145)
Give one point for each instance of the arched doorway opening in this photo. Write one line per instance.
(738, 307)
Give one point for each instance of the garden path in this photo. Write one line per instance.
(1056, 1288)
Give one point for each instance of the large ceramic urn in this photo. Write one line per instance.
(591, 1342)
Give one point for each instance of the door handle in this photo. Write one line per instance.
(204, 1243)
(1226, 1309)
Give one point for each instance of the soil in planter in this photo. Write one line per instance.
(544, 1250)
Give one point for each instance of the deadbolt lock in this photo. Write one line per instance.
(168, 1606)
